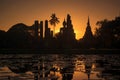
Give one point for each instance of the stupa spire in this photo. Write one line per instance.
(88, 23)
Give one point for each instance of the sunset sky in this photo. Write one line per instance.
(27, 11)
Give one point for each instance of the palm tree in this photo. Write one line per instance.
(53, 21)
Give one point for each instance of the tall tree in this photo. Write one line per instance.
(108, 33)
(53, 21)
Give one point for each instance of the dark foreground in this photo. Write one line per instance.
(59, 51)
(59, 66)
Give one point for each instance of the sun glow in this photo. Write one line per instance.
(42, 9)
(78, 24)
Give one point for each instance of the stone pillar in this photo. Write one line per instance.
(36, 25)
(41, 29)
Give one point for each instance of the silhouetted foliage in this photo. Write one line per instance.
(18, 37)
(2, 39)
(108, 33)
(54, 20)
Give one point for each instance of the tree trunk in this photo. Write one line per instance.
(54, 31)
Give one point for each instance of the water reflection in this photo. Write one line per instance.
(59, 67)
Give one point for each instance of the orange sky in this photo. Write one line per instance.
(26, 11)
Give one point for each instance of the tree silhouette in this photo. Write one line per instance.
(2, 39)
(19, 37)
(108, 33)
(53, 21)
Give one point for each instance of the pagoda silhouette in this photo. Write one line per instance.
(66, 36)
(88, 40)
(40, 36)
